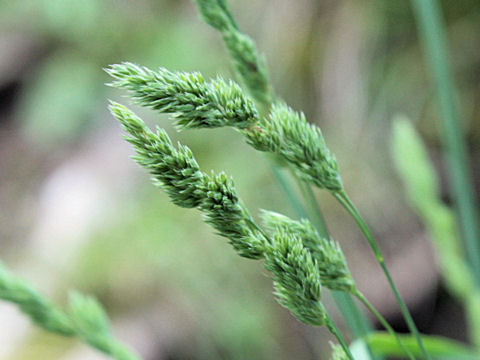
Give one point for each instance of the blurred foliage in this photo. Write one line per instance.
(69, 82)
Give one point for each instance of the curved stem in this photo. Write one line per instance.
(352, 210)
(287, 189)
(250, 221)
(315, 212)
(336, 332)
(382, 320)
(354, 318)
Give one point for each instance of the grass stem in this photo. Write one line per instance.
(336, 332)
(352, 210)
(382, 320)
(434, 39)
(314, 211)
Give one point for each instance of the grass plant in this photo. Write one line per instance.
(300, 255)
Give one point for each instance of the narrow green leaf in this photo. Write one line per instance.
(437, 346)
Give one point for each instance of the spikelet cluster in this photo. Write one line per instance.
(330, 260)
(85, 319)
(288, 134)
(177, 172)
(193, 102)
(296, 278)
(244, 54)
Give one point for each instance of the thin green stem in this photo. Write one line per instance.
(352, 210)
(355, 319)
(382, 320)
(434, 39)
(314, 210)
(336, 332)
(287, 189)
(254, 225)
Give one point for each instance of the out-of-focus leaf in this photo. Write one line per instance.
(359, 350)
(71, 19)
(439, 347)
(418, 175)
(416, 171)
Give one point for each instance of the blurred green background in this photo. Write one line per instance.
(77, 213)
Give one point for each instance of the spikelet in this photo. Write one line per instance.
(193, 102)
(296, 278)
(174, 170)
(330, 260)
(288, 134)
(244, 54)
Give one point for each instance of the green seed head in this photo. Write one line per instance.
(193, 102)
(296, 278)
(224, 212)
(330, 260)
(289, 135)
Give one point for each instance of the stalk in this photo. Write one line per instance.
(356, 321)
(314, 210)
(354, 318)
(382, 320)
(434, 39)
(287, 189)
(352, 210)
(336, 332)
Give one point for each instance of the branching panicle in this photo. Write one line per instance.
(289, 135)
(296, 278)
(197, 104)
(193, 102)
(331, 262)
